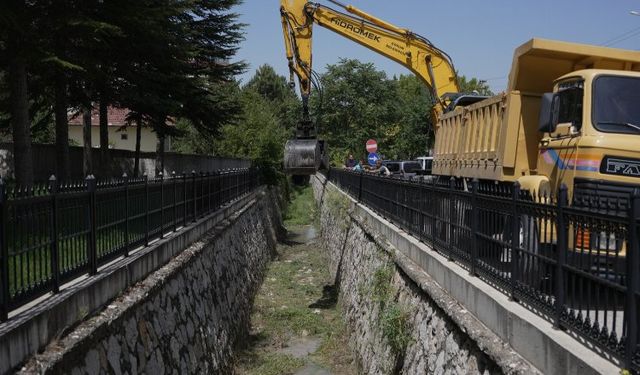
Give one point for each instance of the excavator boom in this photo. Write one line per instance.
(432, 65)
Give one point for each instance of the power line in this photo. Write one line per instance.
(622, 37)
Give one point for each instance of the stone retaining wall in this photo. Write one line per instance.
(184, 318)
(395, 325)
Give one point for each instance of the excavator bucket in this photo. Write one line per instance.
(302, 157)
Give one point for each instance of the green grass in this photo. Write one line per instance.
(302, 209)
(395, 326)
(281, 312)
(274, 364)
(33, 268)
(294, 281)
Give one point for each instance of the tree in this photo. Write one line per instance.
(276, 90)
(259, 135)
(415, 134)
(358, 104)
(191, 77)
(160, 58)
(15, 28)
(474, 85)
(269, 113)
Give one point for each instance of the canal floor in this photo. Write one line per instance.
(296, 326)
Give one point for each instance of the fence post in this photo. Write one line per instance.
(184, 200)
(195, 201)
(4, 256)
(161, 205)
(55, 254)
(515, 241)
(474, 226)
(452, 215)
(203, 210)
(561, 256)
(209, 178)
(93, 246)
(633, 283)
(237, 173)
(127, 237)
(146, 210)
(360, 187)
(175, 201)
(434, 224)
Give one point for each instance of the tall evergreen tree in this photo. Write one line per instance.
(160, 58)
(15, 28)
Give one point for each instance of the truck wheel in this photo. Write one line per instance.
(534, 272)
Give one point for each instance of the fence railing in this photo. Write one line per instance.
(576, 265)
(51, 234)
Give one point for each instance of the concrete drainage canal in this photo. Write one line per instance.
(296, 323)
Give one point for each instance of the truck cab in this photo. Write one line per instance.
(590, 140)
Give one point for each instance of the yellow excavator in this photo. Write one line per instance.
(304, 154)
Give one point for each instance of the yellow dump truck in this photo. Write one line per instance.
(570, 115)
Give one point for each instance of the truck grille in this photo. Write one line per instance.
(603, 197)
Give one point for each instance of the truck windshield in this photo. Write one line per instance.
(615, 104)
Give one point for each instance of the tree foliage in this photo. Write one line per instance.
(162, 59)
(474, 85)
(360, 102)
(267, 119)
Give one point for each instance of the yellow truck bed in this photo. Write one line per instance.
(497, 138)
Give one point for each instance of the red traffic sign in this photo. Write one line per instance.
(372, 145)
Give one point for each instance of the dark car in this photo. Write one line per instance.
(393, 166)
(403, 169)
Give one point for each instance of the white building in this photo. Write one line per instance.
(122, 135)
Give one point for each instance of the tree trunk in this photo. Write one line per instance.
(23, 160)
(87, 165)
(160, 155)
(136, 164)
(104, 129)
(62, 127)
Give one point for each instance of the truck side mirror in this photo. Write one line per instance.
(549, 112)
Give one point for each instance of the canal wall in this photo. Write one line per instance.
(409, 310)
(185, 317)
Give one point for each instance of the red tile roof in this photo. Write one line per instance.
(117, 117)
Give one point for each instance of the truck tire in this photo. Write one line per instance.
(534, 274)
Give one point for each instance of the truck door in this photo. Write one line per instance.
(559, 149)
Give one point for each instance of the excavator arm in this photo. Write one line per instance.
(432, 65)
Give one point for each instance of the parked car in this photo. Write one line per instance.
(405, 169)
(393, 166)
(426, 164)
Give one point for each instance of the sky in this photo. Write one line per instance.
(479, 35)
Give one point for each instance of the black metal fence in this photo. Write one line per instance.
(53, 233)
(576, 265)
